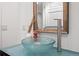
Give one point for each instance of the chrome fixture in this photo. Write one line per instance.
(58, 34)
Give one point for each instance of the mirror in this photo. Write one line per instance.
(48, 12)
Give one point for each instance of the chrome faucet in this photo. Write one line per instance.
(58, 34)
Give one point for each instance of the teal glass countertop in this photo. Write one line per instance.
(19, 50)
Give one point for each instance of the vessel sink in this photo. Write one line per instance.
(40, 47)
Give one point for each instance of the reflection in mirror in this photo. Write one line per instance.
(52, 11)
(47, 12)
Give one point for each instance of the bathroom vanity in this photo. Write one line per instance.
(18, 50)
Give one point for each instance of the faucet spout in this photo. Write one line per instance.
(58, 35)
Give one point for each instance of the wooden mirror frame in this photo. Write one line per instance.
(65, 21)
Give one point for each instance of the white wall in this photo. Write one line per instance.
(70, 41)
(25, 17)
(15, 20)
(10, 24)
